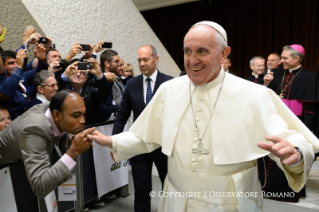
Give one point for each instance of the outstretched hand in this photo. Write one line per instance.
(101, 139)
(282, 149)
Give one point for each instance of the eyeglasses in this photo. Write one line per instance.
(115, 61)
(52, 85)
(83, 72)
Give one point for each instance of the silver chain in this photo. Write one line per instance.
(190, 95)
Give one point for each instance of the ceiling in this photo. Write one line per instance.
(143, 5)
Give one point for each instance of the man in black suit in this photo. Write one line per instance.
(257, 65)
(273, 61)
(137, 94)
(226, 65)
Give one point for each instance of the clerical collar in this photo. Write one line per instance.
(255, 75)
(55, 129)
(213, 83)
(291, 70)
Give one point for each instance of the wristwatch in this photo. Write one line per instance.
(300, 152)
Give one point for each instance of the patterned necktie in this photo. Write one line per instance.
(148, 91)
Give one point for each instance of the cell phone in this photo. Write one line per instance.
(106, 45)
(85, 66)
(43, 40)
(85, 47)
(62, 65)
(3, 34)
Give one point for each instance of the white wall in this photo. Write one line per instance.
(116, 21)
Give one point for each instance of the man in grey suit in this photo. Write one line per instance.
(44, 128)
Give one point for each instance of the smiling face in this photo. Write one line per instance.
(258, 67)
(9, 65)
(273, 61)
(48, 88)
(288, 61)
(202, 55)
(78, 79)
(5, 119)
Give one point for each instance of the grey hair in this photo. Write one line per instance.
(41, 76)
(294, 53)
(220, 40)
(252, 61)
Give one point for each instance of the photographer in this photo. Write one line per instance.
(16, 88)
(92, 92)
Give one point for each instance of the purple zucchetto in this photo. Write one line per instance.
(298, 48)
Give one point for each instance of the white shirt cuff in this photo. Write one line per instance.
(68, 161)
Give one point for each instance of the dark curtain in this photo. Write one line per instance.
(254, 28)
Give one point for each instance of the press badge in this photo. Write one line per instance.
(67, 190)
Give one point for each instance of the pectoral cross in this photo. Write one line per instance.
(200, 152)
(281, 96)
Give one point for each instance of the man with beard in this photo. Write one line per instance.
(113, 70)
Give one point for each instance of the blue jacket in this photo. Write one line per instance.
(11, 95)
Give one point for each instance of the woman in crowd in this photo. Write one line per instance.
(5, 118)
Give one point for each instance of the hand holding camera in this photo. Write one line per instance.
(21, 54)
(54, 66)
(98, 47)
(88, 54)
(33, 38)
(40, 52)
(95, 70)
(46, 42)
(27, 33)
(71, 69)
(75, 49)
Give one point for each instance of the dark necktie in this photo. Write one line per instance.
(148, 91)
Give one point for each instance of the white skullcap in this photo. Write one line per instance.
(214, 25)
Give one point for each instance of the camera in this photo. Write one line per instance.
(62, 64)
(85, 66)
(106, 45)
(85, 47)
(43, 40)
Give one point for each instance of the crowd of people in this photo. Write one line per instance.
(182, 130)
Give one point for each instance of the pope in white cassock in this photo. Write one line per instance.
(210, 124)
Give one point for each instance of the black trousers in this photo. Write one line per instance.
(142, 177)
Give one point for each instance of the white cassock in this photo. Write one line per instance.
(244, 114)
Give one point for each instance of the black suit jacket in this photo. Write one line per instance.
(133, 99)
